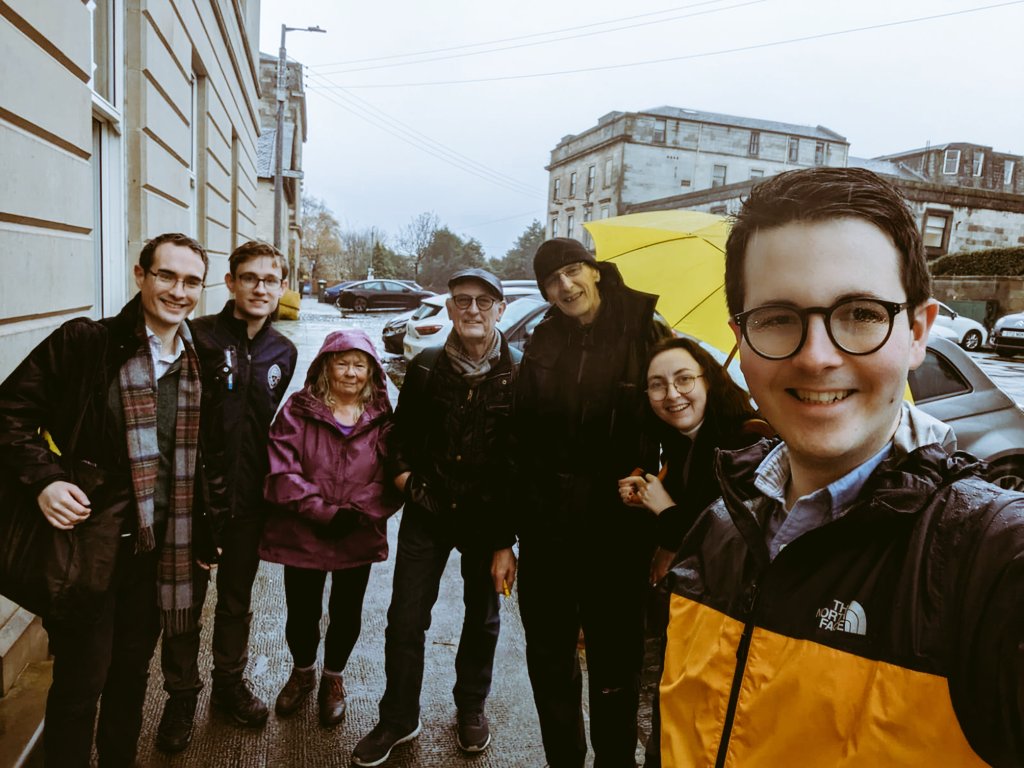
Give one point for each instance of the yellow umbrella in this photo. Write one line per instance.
(680, 257)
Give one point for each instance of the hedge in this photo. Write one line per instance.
(992, 261)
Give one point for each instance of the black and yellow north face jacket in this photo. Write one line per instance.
(890, 637)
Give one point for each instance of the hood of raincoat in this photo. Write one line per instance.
(343, 341)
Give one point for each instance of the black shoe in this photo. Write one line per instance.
(332, 700)
(240, 704)
(300, 684)
(472, 732)
(175, 729)
(375, 747)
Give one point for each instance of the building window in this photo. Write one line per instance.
(591, 178)
(979, 163)
(936, 231)
(718, 210)
(718, 176)
(754, 148)
(756, 173)
(608, 172)
(587, 216)
(819, 153)
(793, 152)
(1008, 172)
(103, 59)
(572, 184)
(554, 227)
(659, 131)
(604, 211)
(558, 190)
(951, 162)
(570, 225)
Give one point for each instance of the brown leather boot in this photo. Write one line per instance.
(295, 691)
(332, 700)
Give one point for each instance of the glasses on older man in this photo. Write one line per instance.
(167, 279)
(464, 301)
(855, 326)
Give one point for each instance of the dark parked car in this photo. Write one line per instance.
(1008, 334)
(380, 294)
(329, 295)
(950, 386)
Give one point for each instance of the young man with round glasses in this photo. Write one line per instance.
(856, 596)
(449, 454)
(246, 368)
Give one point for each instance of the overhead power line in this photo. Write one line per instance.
(592, 33)
(425, 144)
(685, 57)
(513, 39)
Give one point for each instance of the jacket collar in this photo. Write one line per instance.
(237, 326)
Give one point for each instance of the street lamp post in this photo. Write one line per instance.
(282, 97)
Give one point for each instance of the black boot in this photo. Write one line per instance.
(240, 704)
(175, 729)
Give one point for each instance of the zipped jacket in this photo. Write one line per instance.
(244, 381)
(891, 636)
(454, 438)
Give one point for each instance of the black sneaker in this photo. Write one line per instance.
(472, 732)
(175, 729)
(375, 747)
(240, 704)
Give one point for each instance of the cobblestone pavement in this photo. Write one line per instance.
(299, 740)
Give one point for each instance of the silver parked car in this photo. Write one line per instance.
(950, 386)
(1008, 334)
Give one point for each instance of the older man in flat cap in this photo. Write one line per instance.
(449, 455)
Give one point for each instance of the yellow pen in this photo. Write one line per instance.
(505, 589)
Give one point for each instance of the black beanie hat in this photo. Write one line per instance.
(556, 253)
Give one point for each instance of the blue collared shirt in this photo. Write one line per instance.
(813, 510)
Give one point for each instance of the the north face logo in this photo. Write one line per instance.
(843, 617)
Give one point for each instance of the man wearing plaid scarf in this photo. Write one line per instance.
(121, 395)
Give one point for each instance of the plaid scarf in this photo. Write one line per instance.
(473, 371)
(175, 593)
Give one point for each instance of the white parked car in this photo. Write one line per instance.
(970, 334)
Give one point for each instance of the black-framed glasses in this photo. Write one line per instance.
(250, 281)
(657, 390)
(855, 326)
(167, 279)
(464, 301)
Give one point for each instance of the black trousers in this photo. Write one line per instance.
(304, 594)
(424, 546)
(104, 665)
(235, 574)
(599, 588)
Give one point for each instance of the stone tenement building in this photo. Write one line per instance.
(630, 158)
(961, 164)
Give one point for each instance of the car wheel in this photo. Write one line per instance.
(1007, 473)
(359, 305)
(971, 340)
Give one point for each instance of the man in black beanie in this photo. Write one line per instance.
(584, 556)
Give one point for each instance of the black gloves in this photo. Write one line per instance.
(344, 522)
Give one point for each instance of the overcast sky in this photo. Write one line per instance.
(474, 152)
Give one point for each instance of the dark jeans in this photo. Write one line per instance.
(424, 546)
(304, 594)
(601, 589)
(104, 665)
(235, 574)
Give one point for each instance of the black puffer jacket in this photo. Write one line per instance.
(454, 438)
(244, 381)
(891, 636)
(582, 419)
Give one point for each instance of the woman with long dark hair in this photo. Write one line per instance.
(699, 409)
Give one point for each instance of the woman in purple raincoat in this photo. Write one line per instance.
(331, 504)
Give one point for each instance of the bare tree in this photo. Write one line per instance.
(321, 241)
(415, 237)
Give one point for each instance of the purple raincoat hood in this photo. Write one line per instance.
(342, 341)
